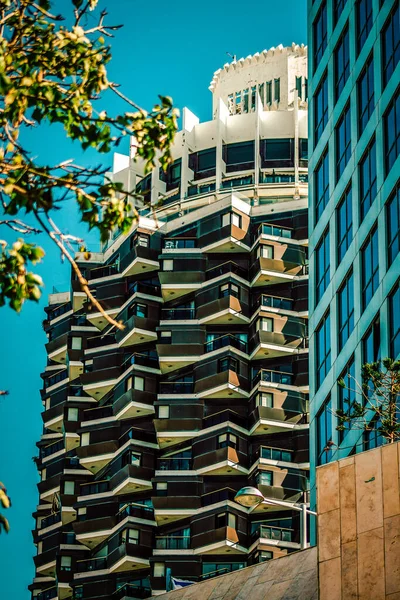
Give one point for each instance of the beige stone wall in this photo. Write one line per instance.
(358, 503)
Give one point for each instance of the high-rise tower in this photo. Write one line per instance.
(149, 432)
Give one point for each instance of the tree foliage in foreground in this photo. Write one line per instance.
(55, 71)
(376, 404)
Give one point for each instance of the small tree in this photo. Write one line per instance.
(377, 400)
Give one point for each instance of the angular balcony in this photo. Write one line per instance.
(287, 412)
(131, 591)
(94, 457)
(169, 463)
(98, 383)
(78, 296)
(133, 404)
(224, 311)
(284, 268)
(223, 495)
(129, 557)
(74, 367)
(103, 272)
(227, 268)
(168, 509)
(139, 260)
(273, 344)
(224, 540)
(229, 238)
(137, 330)
(45, 563)
(175, 284)
(92, 532)
(48, 594)
(53, 417)
(178, 314)
(221, 385)
(274, 536)
(172, 542)
(174, 431)
(172, 388)
(229, 340)
(48, 488)
(131, 479)
(223, 461)
(57, 349)
(176, 356)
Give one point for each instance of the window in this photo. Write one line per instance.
(321, 182)
(265, 399)
(322, 266)
(130, 536)
(229, 289)
(365, 95)
(138, 383)
(73, 414)
(78, 592)
(338, 6)
(135, 458)
(265, 251)
(268, 92)
(393, 224)
(364, 22)
(203, 161)
(371, 343)
(138, 310)
(225, 520)
(320, 108)
(76, 343)
(162, 488)
(227, 364)
(324, 433)
(264, 478)
(85, 438)
(246, 100)
(261, 92)
(238, 156)
(231, 219)
(66, 563)
(227, 439)
(168, 265)
(343, 142)
(303, 149)
(166, 336)
(299, 86)
(69, 487)
(372, 438)
(265, 324)
(277, 90)
(394, 322)
(276, 150)
(320, 34)
(391, 121)
(344, 220)
(342, 62)
(323, 349)
(159, 569)
(142, 240)
(369, 268)
(163, 412)
(265, 555)
(367, 171)
(390, 40)
(346, 310)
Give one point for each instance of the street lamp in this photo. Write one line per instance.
(250, 497)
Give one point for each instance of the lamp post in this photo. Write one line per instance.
(250, 497)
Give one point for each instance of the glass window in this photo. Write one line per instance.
(278, 149)
(371, 343)
(138, 383)
(344, 220)
(66, 563)
(163, 412)
(139, 310)
(231, 219)
(69, 487)
(265, 324)
(239, 154)
(390, 40)
(166, 336)
(347, 395)
(227, 439)
(266, 399)
(394, 325)
(322, 266)
(338, 6)
(299, 86)
(135, 458)
(342, 62)
(364, 21)
(392, 132)
(320, 108)
(321, 185)
(229, 289)
(168, 265)
(346, 310)
(162, 488)
(343, 142)
(324, 433)
(130, 536)
(265, 555)
(365, 95)
(367, 172)
(159, 569)
(369, 267)
(76, 343)
(73, 414)
(265, 478)
(85, 438)
(393, 224)
(303, 148)
(261, 92)
(277, 90)
(323, 349)
(265, 251)
(320, 34)
(268, 92)
(227, 364)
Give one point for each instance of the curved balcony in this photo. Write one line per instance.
(222, 385)
(223, 311)
(175, 284)
(176, 356)
(229, 238)
(223, 461)
(94, 457)
(137, 330)
(133, 404)
(139, 260)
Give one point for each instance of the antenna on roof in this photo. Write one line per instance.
(232, 56)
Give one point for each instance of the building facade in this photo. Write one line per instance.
(354, 220)
(150, 431)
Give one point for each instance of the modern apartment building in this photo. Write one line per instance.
(354, 50)
(149, 432)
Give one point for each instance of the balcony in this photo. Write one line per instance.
(133, 404)
(78, 295)
(178, 314)
(48, 488)
(224, 311)
(174, 464)
(176, 356)
(57, 349)
(172, 542)
(271, 231)
(103, 272)
(49, 594)
(137, 330)
(98, 383)
(223, 540)
(171, 388)
(53, 417)
(273, 344)
(287, 412)
(275, 536)
(174, 431)
(225, 341)
(228, 267)
(131, 591)
(139, 260)
(223, 461)
(221, 385)
(223, 495)
(96, 456)
(92, 532)
(45, 563)
(229, 238)
(129, 557)
(286, 266)
(168, 509)
(131, 479)
(175, 284)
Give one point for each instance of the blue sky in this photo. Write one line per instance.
(168, 48)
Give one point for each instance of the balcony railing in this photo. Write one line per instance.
(227, 267)
(91, 564)
(174, 464)
(175, 314)
(135, 510)
(50, 520)
(94, 488)
(60, 376)
(101, 340)
(144, 288)
(269, 229)
(52, 449)
(218, 496)
(265, 178)
(273, 377)
(226, 340)
(223, 417)
(276, 454)
(176, 387)
(274, 302)
(47, 594)
(131, 591)
(279, 534)
(173, 542)
(104, 271)
(175, 243)
(60, 310)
